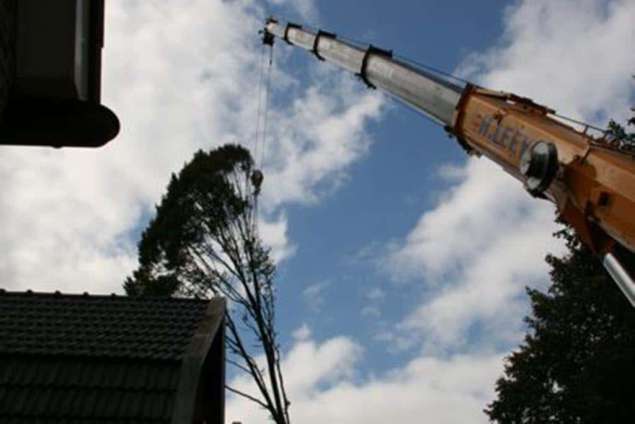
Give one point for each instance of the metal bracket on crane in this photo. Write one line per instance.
(464, 144)
(286, 31)
(371, 50)
(267, 37)
(510, 97)
(319, 34)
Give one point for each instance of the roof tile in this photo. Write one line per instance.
(78, 359)
(54, 324)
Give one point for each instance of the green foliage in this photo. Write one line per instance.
(204, 242)
(618, 132)
(205, 200)
(577, 364)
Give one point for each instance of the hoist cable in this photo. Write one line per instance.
(581, 123)
(253, 186)
(266, 107)
(259, 107)
(417, 64)
(260, 142)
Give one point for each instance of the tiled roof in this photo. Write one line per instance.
(113, 326)
(79, 359)
(51, 390)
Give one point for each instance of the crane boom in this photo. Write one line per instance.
(425, 92)
(590, 181)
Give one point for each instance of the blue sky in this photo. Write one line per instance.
(402, 264)
(341, 240)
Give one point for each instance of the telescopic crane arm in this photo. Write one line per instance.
(591, 182)
(428, 94)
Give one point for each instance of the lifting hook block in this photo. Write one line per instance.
(256, 180)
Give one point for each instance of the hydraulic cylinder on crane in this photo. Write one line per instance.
(590, 180)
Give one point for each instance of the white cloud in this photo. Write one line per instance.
(305, 9)
(314, 295)
(376, 294)
(181, 77)
(302, 333)
(331, 362)
(371, 311)
(317, 139)
(324, 386)
(308, 368)
(486, 239)
(274, 233)
(374, 298)
(573, 55)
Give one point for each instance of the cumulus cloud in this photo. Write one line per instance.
(181, 77)
(274, 233)
(376, 294)
(489, 255)
(571, 55)
(305, 9)
(302, 333)
(485, 240)
(476, 251)
(324, 385)
(374, 298)
(314, 295)
(317, 138)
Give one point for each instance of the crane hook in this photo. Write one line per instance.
(256, 180)
(267, 37)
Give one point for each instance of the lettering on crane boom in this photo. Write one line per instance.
(512, 139)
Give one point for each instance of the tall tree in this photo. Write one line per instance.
(204, 242)
(577, 364)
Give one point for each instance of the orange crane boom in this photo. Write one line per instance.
(590, 180)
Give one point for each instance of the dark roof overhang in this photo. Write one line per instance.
(201, 392)
(55, 86)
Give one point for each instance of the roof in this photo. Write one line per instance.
(111, 359)
(112, 326)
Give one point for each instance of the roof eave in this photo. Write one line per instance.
(210, 330)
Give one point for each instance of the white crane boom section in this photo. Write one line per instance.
(425, 92)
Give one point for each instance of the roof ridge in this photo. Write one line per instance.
(99, 325)
(86, 295)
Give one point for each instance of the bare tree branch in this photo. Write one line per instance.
(245, 395)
